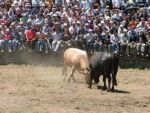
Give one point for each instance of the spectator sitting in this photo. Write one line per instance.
(8, 40)
(1, 41)
(42, 42)
(57, 38)
(31, 38)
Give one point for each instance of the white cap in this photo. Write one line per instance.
(86, 24)
(65, 24)
(73, 22)
(90, 30)
(78, 22)
(125, 30)
(99, 24)
(7, 30)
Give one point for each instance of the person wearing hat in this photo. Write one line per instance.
(97, 43)
(120, 29)
(42, 42)
(23, 18)
(66, 41)
(11, 13)
(39, 20)
(27, 3)
(28, 25)
(46, 29)
(124, 39)
(106, 42)
(57, 39)
(115, 40)
(141, 44)
(89, 41)
(73, 30)
(82, 31)
(141, 24)
(133, 38)
(21, 31)
(83, 4)
(16, 38)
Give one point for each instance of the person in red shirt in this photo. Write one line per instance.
(30, 35)
(31, 38)
(4, 21)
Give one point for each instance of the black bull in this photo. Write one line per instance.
(106, 64)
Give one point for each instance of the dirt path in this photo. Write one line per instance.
(36, 89)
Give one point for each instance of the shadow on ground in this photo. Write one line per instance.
(115, 91)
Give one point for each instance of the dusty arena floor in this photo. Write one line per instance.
(38, 89)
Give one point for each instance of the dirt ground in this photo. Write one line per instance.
(41, 89)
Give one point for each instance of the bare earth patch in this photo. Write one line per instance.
(37, 89)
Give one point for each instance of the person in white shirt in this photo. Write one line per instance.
(73, 29)
(57, 39)
(115, 40)
(116, 3)
(83, 4)
(89, 41)
(124, 39)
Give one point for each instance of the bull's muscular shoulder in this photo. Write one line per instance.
(99, 58)
(75, 53)
(75, 50)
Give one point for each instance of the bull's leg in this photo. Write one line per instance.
(109, 82)
(64, 72)
(104, 80)
(114, 81)
(91, 79)
(72, 76)
(90, 83)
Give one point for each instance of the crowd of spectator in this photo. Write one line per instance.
(103, 25)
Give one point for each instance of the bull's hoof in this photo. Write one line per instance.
(89, 87)
(69, 80)
(108, 90)
(112, 89)
(104, 88)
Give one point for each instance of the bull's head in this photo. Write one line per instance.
(86, 73)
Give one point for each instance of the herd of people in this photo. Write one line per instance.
(100, 24)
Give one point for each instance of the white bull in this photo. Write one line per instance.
(77, 60)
